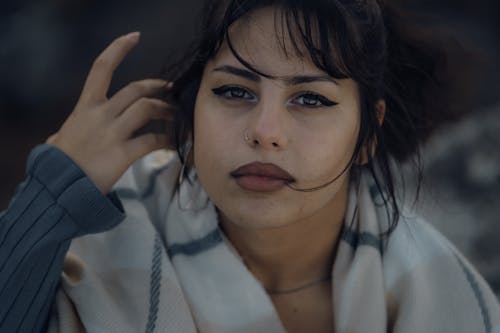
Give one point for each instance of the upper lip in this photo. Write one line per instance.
(263, 170)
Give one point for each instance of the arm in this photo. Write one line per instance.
(66, 193)
(56, 203)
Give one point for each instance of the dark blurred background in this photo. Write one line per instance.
(47, 47)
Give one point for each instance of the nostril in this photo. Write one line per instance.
(275, 144)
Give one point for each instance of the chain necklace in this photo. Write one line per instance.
(292, 290)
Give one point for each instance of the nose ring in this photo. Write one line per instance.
(247, 139)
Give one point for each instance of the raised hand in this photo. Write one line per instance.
(98, 133)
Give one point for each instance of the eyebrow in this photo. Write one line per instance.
(289, 80)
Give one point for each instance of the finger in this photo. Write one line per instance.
(140, 113)
(99, 78)
(144, 144)
(133, 92)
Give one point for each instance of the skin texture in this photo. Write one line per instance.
(286, 238)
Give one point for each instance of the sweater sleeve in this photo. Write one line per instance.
(54, 204)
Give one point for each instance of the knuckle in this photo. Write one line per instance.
(146, 87)
(161, 104)
(152, 104)
(156, 104)
(147, 101)
(139, 86)
(144, 104)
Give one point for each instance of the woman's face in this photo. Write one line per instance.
(301, 120)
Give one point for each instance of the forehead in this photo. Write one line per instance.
(263, 40)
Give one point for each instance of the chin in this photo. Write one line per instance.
(255, 218)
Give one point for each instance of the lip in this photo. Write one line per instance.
(261, 177)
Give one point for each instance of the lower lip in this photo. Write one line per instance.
(260, 184)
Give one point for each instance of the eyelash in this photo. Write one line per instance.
(325, 102)
(227, 92)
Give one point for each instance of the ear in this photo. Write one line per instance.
(380, 109)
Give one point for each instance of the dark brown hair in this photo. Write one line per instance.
(374, 43)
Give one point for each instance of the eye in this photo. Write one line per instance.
(233, 93)
(312, 100)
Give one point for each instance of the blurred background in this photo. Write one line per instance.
(47, 47)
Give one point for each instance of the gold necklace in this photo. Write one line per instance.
(292, 290)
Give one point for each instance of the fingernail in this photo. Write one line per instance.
(134, 36)
(169, 85)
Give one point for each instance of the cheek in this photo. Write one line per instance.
(327, 151)
(212, 137)
(203, 145)
(210, 127)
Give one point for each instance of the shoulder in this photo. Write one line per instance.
(415, 240)
(416, 245)
(424, 272)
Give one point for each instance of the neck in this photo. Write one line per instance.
(293, 255)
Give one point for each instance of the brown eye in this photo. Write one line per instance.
(313, 100)
(233, 92)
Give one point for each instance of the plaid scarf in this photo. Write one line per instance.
(168, 268)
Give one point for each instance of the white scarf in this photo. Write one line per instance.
(168, 268)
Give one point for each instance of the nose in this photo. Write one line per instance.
(267, 126)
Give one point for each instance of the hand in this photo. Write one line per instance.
(98, 133)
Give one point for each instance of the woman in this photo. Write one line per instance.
(280, 212)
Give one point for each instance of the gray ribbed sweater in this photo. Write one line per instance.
(56, 203)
